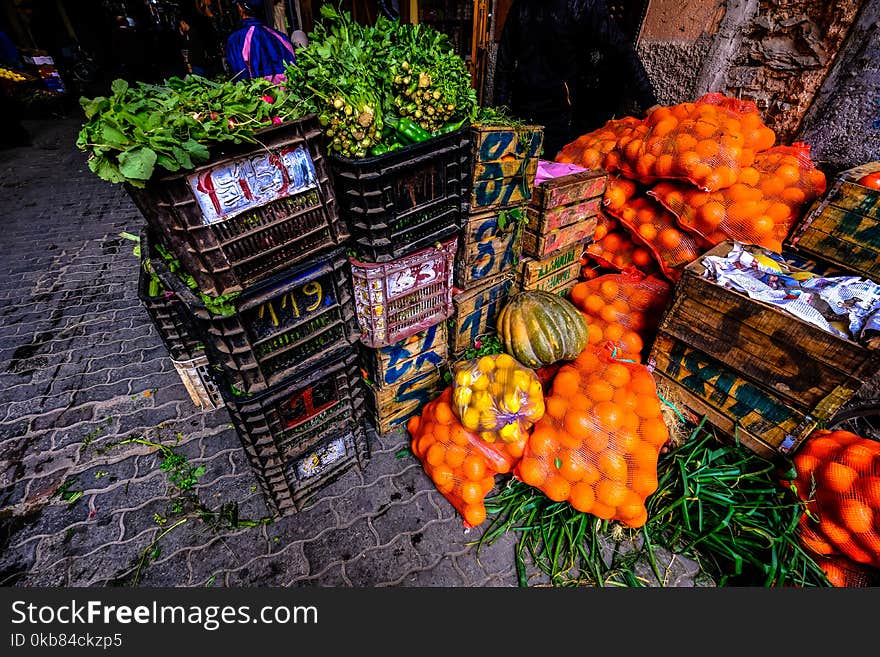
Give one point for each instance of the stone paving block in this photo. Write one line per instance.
(444, 574)
(281, 569)
(345, 542)
(405, 515)
(384, 566)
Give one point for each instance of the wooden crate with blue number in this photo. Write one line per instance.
(505, 161)
(490, 244)
(476, 311)
(404, 376)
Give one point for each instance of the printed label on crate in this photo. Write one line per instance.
(534, 270)
(318, 461)
(495, 143)
(488, 250)
(233, 187)
(477, 313)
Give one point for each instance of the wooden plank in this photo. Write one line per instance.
(497, 193)
(476, 312)
(845, 237)
(548, 220)
(505, 169)
(847, 194)
(408, 358)
(485, 250)
(566, 278)
(531, 270)
(745, 412)
(497, 143)
(570, 189)
(542, 245)
(813, 370)
(391, 406)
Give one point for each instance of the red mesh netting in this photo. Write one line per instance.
(598, 149)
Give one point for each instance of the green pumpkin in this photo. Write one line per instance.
(540, 328)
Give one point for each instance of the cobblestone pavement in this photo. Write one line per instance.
(82, 369)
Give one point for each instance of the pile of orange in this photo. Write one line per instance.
(617, 250)
(592, 150)
(759, 208)
(460, 463)
(622, 308)
(598, 444)
(845, 507)
(707, 143)
(655, 227)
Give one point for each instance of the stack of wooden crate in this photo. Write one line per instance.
(562, 217)
(248, 251)
(404, 210)
(505, 160)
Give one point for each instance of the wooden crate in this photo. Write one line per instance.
(477, 310)
(408, 358)
(562, 279)
(486, 249)
(391, 406)
(744, 411)
(542, 245)
(805, 367)
(532, 270)
(844, 226)
(562, 201)
(505, 161)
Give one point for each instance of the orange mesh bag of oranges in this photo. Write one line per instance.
(598, 149)
(497, 397)
(760, 208)
(707, 143)
(652, 224)
(460, 463)
(605, 223)
(617, 251)
(598, 444)
(845, 573)
(838, 476)
(624, 308)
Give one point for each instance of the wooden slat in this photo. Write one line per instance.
(496, 143)
(393, 405)
(566, 276)
(540, 246)
(476, 312)
(485, 250)
(532, 270)
(500, 193)
(409, 358)
(844, 237)
(541, 222)
(568, 190)
(505, 169)
(813, 370)
(745, 412)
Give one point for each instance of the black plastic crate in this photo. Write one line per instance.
(305, 433)
(276, 329)
(406, 200)
(249, 213)
(166, 311)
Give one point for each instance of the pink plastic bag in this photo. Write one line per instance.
(548, 170)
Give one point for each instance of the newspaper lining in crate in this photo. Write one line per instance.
(396, 299)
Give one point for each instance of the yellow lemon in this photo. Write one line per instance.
(509, 433)
(481, 383)
(488, 436)
(512, 402)
(462, 396)
(488, 419)
(470, 419)
(463, 377)
(486, 364)
(503, 361)
(481, 400)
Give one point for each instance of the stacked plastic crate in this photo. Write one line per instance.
(249, 253)
(404, 212)
(505, 160)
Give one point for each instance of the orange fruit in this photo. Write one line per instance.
(569, 440)
(556, 487)
(821, 445)
(443, 413)
(474, 467)
(642, 382)
(602, 511)
(458, 435)
(644, 482)
(556, 406)
(594, 333)
(869, 489)
(644, 456)
(487, 484)
(578, 423)
(582, 497)
(543, 440)
(654, 431)
(443, 478)
(637, 520)
(712, 214)
(631, 342)
(859, 456)
(617, 374)
(474, 514)
(596, 440)
(614, 332)
(599, 391)
(647, 406)
(856, 516)
(532, 471)
(593, 304)
(579, 401)
(471, 492)
(608, 415)
(609, 289)
(455, 455)
(436, 454)
(836, 477)
(612, 465)
(566, 382)
(587, 361)
(572, 465)
(611, 492)
(578, 294)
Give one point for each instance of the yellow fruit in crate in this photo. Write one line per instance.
(481, 383)
(462, 397)
(512, 401)
(463, 377)
(486, 364)
(470, 419)
(510, 433)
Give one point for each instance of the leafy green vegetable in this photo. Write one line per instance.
(171, 126)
